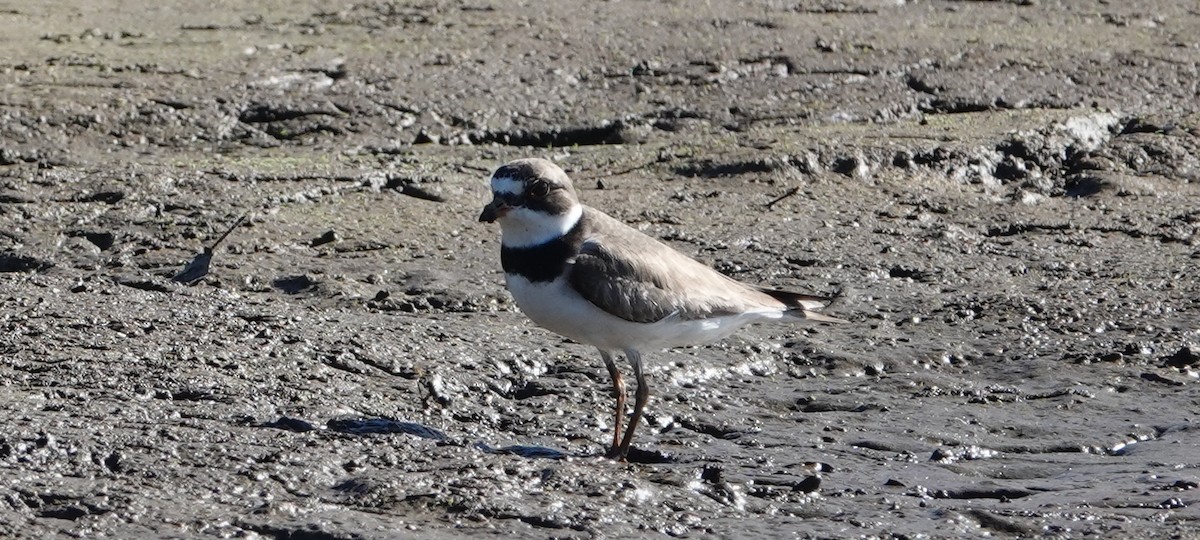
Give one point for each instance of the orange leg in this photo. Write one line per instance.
(619, 393)
(641, 396)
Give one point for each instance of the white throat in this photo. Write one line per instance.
(522, 227)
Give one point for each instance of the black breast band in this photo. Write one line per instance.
(545, 261)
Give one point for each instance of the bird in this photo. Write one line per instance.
(584, 275)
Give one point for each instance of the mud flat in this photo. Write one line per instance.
(1005, 193)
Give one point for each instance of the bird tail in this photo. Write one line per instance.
(805, 306)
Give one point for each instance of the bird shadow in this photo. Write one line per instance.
(649, 457)
(386, 426)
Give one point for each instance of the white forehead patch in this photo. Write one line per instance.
(504, 184)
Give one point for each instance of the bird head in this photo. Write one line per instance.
(533, 200)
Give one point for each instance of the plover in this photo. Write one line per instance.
(577, 272)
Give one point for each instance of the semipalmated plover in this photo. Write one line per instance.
(576, 271)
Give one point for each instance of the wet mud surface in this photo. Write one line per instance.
(1004, 192)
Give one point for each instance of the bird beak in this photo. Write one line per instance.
(494, 210)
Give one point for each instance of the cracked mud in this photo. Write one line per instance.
(1004, 192)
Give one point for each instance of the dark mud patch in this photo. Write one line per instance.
(368, 426)
(612, 133)
(1010, 209)
(12, 262)
(710, 169)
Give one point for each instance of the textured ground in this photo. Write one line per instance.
(1005, 192)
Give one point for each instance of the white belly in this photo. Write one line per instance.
(555, 306)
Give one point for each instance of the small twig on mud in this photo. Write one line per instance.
(412, 188)
(475, 168)
(790, 193)
(199, 266)
(630, 169)
(235, 225)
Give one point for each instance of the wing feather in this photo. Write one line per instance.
(640, 279)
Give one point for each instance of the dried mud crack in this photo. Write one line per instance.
(1003, 192)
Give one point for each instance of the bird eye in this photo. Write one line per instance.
(539, 190)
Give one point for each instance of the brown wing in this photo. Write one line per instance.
(618, 288)
(640, 279)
